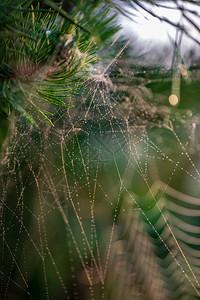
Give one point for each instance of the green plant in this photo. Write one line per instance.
(45, 52)
(95, 207)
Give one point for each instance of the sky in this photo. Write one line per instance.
(150, 31)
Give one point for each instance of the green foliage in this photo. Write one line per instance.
(43, 52)
(123, 148)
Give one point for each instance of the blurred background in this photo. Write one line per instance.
(99, 139)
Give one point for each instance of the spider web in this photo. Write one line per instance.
(104, 205)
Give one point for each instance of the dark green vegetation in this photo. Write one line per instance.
(44, 52)
(99, 173)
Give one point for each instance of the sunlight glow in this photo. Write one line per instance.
(150, 28)
(173, 99)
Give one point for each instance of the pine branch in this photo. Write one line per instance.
(47, 50)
